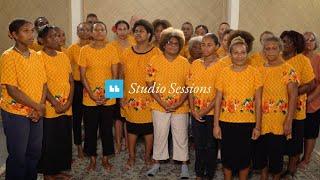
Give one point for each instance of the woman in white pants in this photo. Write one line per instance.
(166, 78)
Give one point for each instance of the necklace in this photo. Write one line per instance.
(22, 53)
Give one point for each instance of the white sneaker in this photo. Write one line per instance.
(184, 172)
(154, 170)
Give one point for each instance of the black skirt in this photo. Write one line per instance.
(56, 145)
(236, 145)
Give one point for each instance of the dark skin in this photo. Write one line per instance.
(239, 63)
(99, 33)
(289, 51)
(24, 38)
(208, 48)
(143, 45)
(171, 52)
(51, 43)
(271, 51)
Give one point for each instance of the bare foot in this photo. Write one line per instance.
(92, 165)
(303, 165)
(80, 152)
(130, 163)
(107, 166)
(148, 161)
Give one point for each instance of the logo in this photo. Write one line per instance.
(114, 89)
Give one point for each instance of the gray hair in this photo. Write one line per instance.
(194, 40)
(315, 38)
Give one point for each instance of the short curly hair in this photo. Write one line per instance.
(297, 39)
(146, 24)
(248, 38)
(161, 22)
(169, 33)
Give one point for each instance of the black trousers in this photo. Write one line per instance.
(205, 147)
(77, 111)
(98, 117)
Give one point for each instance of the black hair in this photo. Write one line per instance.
(226, 32)
(224, 23)
(146, 24)
(213, 37)
(44, 31)
(37, 20)
(122, 22)
(92, 15)
(296, 38)
(161, 22)
(248, 38)
(189, 23)
(16, 24)
(99, 22)
(202, 26)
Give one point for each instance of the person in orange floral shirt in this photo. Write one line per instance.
(237, 113)
(169, 107)
(136, 106)
(279, 98)
(203, 73)
(98, 62)
(294, 44)
(57, 125)
(23, 81)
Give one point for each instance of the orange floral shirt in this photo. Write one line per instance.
(238, 89)
(303, 68)
(136, 105)
(203, 78)
(98, 64)
(58, 70)
(27, 74)
(275, 96)
(170, 76)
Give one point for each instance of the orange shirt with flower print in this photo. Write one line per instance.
(204, 78)
(58, 70)
(238, 91)
(98, 64)
(275, 96)
(170, 75)
(303, 68)
(136, 104)
(27, 74)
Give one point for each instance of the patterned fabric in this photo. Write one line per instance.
(27, 74)
(238, 89)
(98, 64)
(275, 96)
(170, 76)
(203, 79)
(305, 73)
(58, 70)
(136, 105)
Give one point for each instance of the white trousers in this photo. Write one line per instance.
(179, 129)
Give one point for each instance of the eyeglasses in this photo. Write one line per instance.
(310, 40)
(170, 43)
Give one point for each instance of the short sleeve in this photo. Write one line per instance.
(83, 58)
(257, 79)
(8, 70)
(220, 81)
(114, 55)
(307, 74)
(291, 76)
